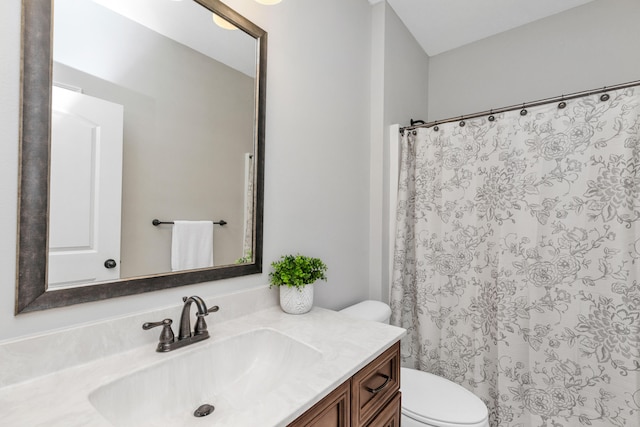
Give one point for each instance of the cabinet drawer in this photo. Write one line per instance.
(374, 386)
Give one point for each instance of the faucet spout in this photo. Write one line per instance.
(185, 336)
(185, 318)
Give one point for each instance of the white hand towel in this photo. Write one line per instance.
(191, 245)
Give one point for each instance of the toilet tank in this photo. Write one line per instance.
(369, 310)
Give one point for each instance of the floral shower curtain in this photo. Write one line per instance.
(517, 260)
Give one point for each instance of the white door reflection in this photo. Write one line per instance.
(86, 189)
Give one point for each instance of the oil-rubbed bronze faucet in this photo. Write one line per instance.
(168, 342)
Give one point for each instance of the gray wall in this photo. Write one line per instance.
(591, 46)
(406, 73)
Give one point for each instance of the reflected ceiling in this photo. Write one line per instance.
(232, 48)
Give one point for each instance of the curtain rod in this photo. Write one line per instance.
(522, 106)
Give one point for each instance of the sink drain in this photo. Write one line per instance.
(203, 410)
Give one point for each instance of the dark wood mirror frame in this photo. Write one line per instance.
(33, 180)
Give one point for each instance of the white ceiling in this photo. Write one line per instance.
(442, 25)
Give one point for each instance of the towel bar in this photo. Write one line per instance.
(157, 222)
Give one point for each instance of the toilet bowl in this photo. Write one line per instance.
(427, 400)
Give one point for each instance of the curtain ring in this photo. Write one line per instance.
(462, 123)
(562, 104)
(491, 117)
(604, 97)
(523, 112)
(436, 128)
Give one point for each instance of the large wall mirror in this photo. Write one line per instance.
(137, 116)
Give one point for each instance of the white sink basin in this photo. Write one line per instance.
(233, 375)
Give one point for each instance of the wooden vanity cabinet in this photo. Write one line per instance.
(371, 398)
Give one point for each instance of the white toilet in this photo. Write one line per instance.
(427, 400)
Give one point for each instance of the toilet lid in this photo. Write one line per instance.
(437, 401)
(369, 310)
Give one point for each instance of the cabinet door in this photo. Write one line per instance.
(390, 415)
(332, 411)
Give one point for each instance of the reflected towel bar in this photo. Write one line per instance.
(158, 222)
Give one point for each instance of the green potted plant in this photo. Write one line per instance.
(295, 276)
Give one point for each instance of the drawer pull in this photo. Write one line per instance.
(379, 389)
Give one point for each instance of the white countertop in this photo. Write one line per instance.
(346, 345)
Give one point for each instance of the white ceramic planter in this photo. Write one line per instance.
(296, 301)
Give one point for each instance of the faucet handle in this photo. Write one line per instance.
(201, 324)
(166, 336)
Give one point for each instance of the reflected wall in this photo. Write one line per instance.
(188, 123)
